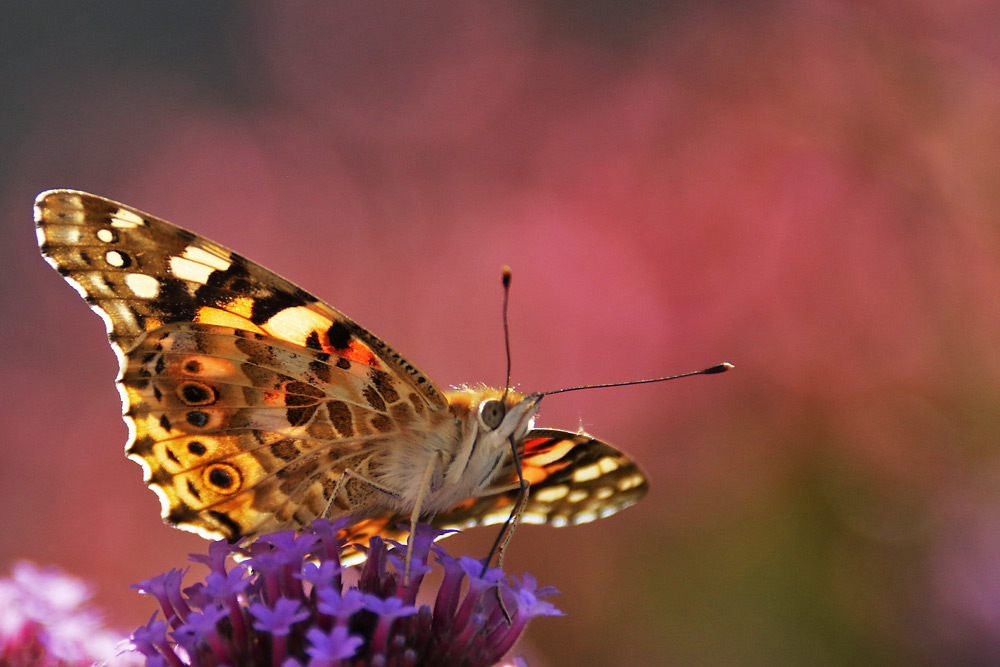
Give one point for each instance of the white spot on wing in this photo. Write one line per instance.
(105, 235)
(551, 494)
(125, 219)
(586, 473)
(114, 258)
(630, 482)
(202, 256)
(143, 286)
(536, 518)
(186, 269)
(607, 464)
(494, 518)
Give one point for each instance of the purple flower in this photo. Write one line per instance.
(285, 605)
(330, 648)
(44, 622)
(341, 607)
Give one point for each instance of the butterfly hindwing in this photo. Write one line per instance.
(242, 433)
(245, 395)
(574, 479)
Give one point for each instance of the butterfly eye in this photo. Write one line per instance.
(491, 413)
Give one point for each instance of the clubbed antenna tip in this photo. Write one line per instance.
(721, 368)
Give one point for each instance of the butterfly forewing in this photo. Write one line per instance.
(139, 272)
(247, 397)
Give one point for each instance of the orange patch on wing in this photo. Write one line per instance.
(359, 352)
(225, 318)
(240, 305)
(534, 475)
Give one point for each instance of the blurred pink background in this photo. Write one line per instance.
(809, 190)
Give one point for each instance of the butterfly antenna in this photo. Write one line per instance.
(712, 370)
(505, 276)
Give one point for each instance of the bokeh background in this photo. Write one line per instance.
(807, 189)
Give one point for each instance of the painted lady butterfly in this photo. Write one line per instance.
(252, 406)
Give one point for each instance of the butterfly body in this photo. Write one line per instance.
(253, 406)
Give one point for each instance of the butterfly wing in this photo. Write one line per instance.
(574, 479)
(246, 397)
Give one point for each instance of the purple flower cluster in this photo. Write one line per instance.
(285, 605)
(45, 622)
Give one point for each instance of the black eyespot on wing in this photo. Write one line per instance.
(220, 477)
(196, 393)
(197, 418)
(223, 478)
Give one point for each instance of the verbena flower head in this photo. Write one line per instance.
(45, 622)
(284, 604)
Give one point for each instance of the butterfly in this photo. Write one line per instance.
(253, 406)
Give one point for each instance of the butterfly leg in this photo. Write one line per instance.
(507, 531)
(425, 486)
(499, 547)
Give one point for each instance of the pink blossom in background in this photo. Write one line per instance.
(46, 621)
